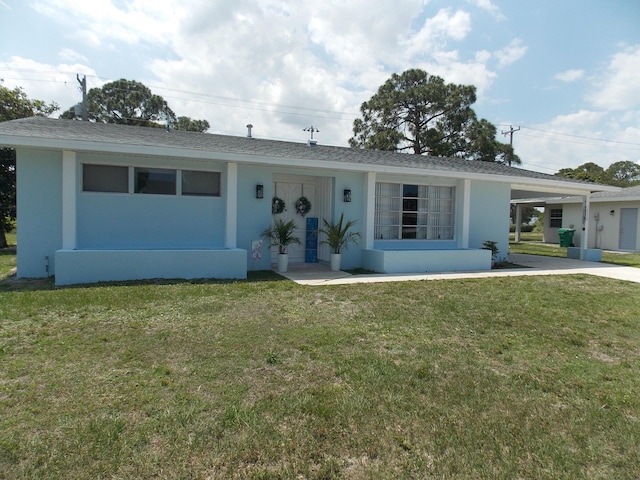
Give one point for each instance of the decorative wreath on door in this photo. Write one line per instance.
(277, 205)
(303, 205)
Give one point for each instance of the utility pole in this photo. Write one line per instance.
(511, 131)
(83, 89)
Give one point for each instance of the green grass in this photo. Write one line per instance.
(551, 250)
(527, 237)
(531, 377)
(8, 255)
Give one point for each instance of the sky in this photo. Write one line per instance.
(565, 72)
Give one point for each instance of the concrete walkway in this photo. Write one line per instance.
(319, 274)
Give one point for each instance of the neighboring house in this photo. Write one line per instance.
(110, 202)
(614, 219)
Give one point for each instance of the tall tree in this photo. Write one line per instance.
(14, 104)
(191, 125)
(129, 102)
(623, 174)
(589, 171)
(420, 113)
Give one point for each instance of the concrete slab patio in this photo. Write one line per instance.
(319, 274)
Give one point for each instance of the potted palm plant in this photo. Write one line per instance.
(338, 238)
(281, 234)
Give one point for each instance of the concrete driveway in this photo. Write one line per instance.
(319, 274)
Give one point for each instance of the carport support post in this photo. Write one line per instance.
(518, 221)
(584, 241)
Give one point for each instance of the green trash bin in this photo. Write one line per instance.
(566, 236)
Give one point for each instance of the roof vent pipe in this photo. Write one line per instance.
(249, 127)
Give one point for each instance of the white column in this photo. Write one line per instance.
(369, 210)
(231, 223)
(466, 214)
(69, 193)
(518, 221)
(584, 241)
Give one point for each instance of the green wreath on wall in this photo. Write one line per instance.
(303, 205)
(277, 206)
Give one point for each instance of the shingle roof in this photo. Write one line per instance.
(628, 192)
(22, 132)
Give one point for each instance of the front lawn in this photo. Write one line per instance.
(528, 377)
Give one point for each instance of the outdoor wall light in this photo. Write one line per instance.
(260, 191)
(346, 195)
(612, 212)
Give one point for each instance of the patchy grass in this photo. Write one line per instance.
(532, 377)
(546, 249)
(7, 261)
(551, 250)
(527, 237)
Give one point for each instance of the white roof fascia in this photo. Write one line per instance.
(516, 182)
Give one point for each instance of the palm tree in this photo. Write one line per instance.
(338, 235)
(281, 234)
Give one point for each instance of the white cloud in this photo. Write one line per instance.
(511, 53)
(51, 83)
(489, 6)
(239, 62)
(617, 86)
(135, 22)
(573, 139)
(437, 30)
(570, 75)
(71, 55)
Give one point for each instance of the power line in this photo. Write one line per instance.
(636, 147)
(552, 132)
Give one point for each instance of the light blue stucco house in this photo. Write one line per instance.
(101, 202)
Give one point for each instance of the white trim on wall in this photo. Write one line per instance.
(369, 210)
(69, 193)
(231, 221)
(466, 214)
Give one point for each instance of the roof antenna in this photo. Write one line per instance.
(311, 142)
(249, 127)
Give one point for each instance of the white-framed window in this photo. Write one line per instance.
(105, 178)
(201, 184)
(411, 211)
(555, 218)
(148, 180)
(159, 181)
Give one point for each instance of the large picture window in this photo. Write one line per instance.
(105, 178)
(406, 211)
